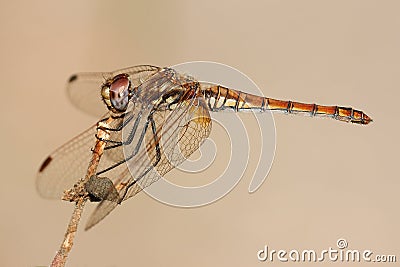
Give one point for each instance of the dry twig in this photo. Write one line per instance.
(79, 195)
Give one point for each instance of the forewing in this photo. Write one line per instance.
(66, 165)
(172, 137)
(179, 133)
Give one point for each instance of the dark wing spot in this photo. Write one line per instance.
(72, 78)
(45, 163)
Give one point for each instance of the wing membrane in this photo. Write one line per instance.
(145, 143)
(66, 165)
(171, 136)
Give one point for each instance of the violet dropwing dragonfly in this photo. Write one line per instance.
(156, 118)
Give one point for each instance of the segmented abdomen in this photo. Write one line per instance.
(221, 98)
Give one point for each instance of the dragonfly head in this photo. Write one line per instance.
(116, 92)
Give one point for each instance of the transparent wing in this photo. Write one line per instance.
(66, 165)
(84, 89)
(149, 141)
(171, 137)
(178, 134)
(69, 163)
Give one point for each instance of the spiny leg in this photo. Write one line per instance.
(158, 155)
(135, 151)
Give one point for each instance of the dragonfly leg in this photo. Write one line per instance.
(135, 151)
(119, 127)
(157, 159)
(130, 137)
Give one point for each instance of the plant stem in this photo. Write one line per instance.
(79, 195)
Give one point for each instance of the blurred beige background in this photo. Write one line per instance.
(329, 179)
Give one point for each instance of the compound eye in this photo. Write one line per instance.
(119, 92)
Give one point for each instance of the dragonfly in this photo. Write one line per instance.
(159, 117)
